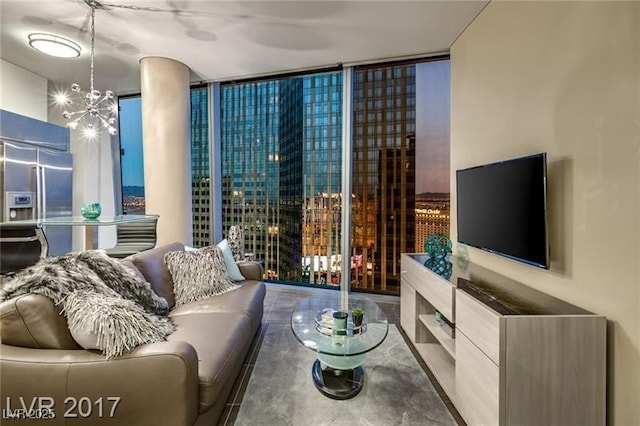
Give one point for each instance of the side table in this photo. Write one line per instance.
(337, 371)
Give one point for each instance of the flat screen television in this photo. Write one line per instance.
(502, 208)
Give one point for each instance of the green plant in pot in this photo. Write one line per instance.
(357, 314)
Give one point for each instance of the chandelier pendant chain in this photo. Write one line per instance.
(93, 41)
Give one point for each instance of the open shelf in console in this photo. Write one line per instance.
(425, 298)
(441, 331)
(441, 365)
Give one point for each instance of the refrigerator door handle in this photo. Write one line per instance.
(38, 192)
(41, 207)
(43, 204)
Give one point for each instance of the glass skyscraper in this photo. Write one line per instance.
(384, 162)
(281, 171)
(200, 172)
(281, 162)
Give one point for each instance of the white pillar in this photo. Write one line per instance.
(166, 135)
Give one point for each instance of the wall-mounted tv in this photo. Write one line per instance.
(502, 208)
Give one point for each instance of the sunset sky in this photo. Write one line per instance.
(432, 126)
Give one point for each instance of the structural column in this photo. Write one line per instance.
(166, 131)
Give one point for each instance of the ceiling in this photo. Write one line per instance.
(224, 40)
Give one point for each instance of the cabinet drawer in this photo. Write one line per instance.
(438, 291)
(480, 324)
(477, 384)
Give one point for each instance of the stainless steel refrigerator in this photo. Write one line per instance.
(36, 177)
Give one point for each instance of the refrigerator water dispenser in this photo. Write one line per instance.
(20, 206)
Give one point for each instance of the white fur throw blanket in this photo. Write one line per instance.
(100, 297)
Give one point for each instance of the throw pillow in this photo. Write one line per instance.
(232, 267)
(198, 274)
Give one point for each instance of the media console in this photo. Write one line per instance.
(505, 353)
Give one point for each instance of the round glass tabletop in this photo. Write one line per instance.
(315, 326)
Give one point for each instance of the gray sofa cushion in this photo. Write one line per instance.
(247, 299)
(221, 340)
(34, 321)
(151, 264)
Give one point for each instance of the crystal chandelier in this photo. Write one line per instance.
(93, 108)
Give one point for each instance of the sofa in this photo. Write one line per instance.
(185, 380)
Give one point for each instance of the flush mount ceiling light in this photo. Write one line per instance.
(54, 45)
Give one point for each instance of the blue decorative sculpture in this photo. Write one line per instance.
(438, 246)
(440, 265)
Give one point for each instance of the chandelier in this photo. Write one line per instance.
(93, 108)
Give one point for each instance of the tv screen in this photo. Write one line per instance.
(502, 208)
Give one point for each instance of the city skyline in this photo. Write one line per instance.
(282, 164)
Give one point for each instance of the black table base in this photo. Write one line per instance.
(338, 384)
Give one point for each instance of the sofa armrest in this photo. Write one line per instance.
(156, 383)
(250, 270)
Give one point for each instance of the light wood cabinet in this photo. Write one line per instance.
(477, 384)
(422, 294)
(519, 356)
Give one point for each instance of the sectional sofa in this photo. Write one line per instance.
(183, 381)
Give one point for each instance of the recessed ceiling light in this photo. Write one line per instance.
(54, 45)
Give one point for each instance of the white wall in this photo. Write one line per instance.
(564, 77)
(22, 92)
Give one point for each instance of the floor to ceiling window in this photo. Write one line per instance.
(400, 169)
(281, 173)
(281, 166)
(131, 154)
(200, 170)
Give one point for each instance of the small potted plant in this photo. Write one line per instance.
(357, 315)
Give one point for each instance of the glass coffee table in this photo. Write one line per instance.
(340, 348)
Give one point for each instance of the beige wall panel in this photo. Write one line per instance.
(564, 78)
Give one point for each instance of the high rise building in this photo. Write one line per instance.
(200, 173)
(322, 177)
(281, 167)
(250, 120)
(282, 170)
(383, 175)
(290, 179)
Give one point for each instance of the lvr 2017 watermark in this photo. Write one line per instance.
(44, 407)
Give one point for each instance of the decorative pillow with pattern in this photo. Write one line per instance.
(233, 271)
(198, 274)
